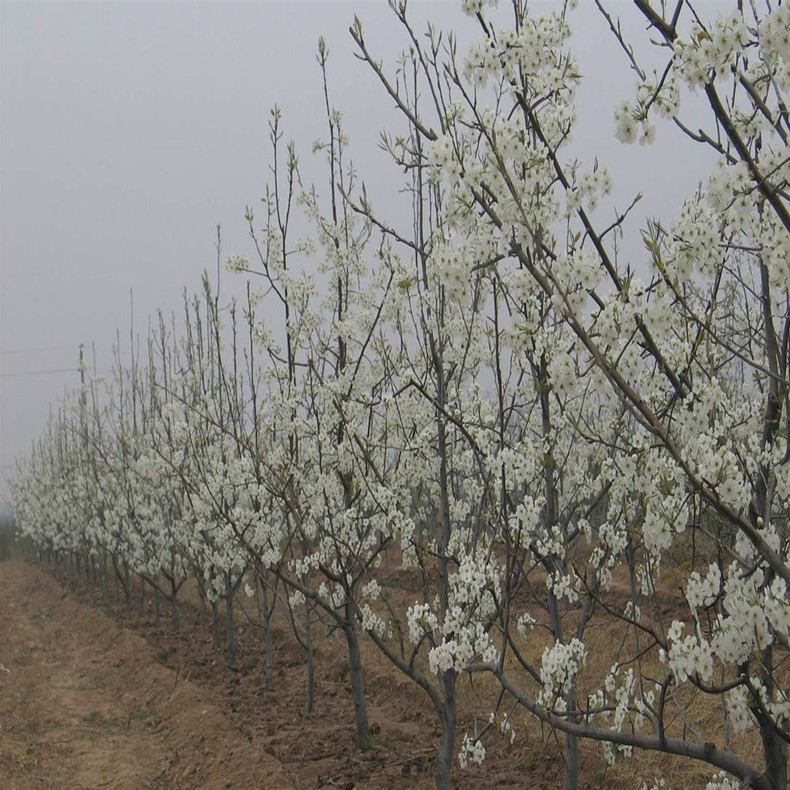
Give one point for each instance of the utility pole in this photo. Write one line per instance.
(83, 400)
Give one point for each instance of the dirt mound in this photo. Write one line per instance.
(86, 704)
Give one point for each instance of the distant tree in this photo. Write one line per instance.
(536, 425)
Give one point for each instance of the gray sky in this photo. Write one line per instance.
(128, 131)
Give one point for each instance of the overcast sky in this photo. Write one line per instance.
(128, 131)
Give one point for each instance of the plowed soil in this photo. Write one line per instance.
(95, 695)
(85, 703)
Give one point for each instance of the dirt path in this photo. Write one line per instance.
(86, 704)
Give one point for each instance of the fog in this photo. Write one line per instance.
(129, 131)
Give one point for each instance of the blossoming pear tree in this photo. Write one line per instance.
(556, 432)
(692, 344)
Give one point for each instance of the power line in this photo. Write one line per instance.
(89, 371)
(36, 349)
(37, 373)
(61, 348)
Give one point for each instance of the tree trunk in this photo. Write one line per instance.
(268, 658)
(571, 755)
(127, 585)
(156, 602)
(215, 623)
(308, 629)
(775, 753)
(556, 565)
(229, 621)
(174, 616)
(448, 678)
(357, 683)
(203, 618)
(774, 746)
(444, 762)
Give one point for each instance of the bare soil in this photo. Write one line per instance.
(84, 703)
(93, 695)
